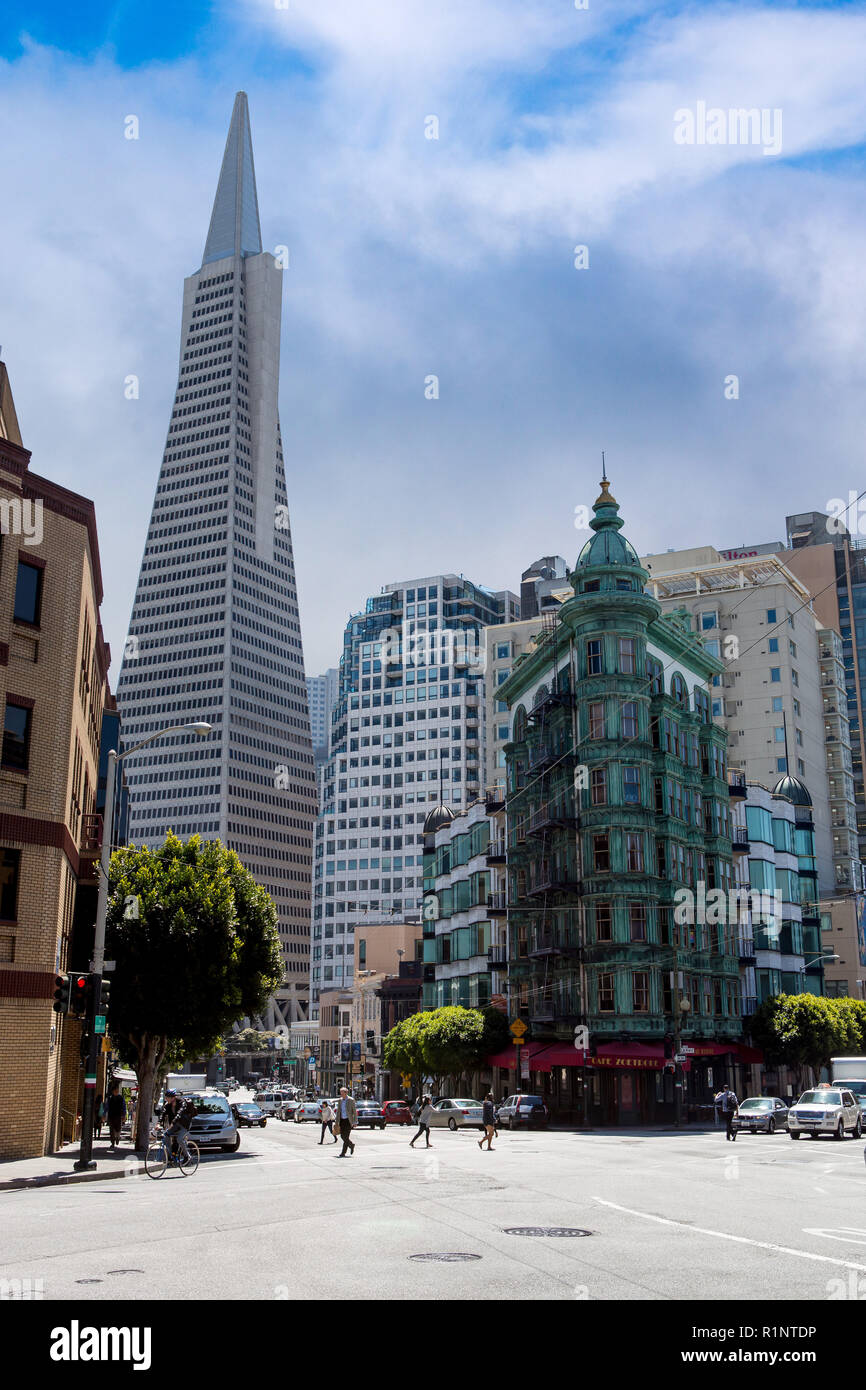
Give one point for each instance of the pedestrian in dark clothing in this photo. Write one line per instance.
(115, 1113)
(424, 1116)
(488, 1119)
(98, 1117)
(347, 1117)
(727, 1101)
(327, 1117)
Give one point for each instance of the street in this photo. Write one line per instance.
(670, 1216)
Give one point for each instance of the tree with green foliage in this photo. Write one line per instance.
(446, 1044)
(202, 953)
(806, 1030)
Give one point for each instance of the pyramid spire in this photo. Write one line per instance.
(234, 224)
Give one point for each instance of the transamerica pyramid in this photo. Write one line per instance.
(215, 634)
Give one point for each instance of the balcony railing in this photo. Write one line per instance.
(496, 851)
(497, 902)
(494, 799)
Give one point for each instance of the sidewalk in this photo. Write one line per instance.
(54, 1170)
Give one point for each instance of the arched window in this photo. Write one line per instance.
(679, 690)
(519, 724)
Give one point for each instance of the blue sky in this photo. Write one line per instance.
(454, 257)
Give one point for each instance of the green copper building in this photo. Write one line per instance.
(618, 798)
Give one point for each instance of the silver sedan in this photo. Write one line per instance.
(458, 1114)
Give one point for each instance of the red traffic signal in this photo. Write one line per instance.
(78, 992)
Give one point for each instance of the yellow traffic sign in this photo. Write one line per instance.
(518, 1028)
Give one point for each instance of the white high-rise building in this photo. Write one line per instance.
(322, 697)
(408, 733)
(215, 633)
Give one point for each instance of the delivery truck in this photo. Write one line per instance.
(851, 1071)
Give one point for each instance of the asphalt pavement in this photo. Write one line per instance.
(546, 1215)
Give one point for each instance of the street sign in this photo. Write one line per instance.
(581, 1037)
(686, 1050)
(518, 1026)
(99, 1023)
(681, 1056)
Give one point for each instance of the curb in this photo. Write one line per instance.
(64, 1179)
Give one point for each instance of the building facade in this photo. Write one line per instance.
(756, 616)
(408, 721)
(321, 697)
(618, 819)
(54, 663)
(215, 632)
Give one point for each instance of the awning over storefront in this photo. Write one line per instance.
(508, 1057)
(558, 1055)
(646, 1055)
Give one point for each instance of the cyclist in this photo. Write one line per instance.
(180, 1128)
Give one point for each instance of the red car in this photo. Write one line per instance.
(397, 1112)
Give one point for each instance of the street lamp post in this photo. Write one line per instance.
(85, 1158)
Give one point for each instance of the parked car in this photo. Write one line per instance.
(523, 1110)
(214, 1126)
(760, 1113)
(286, 1109)
(397, 1112)
(457, 1114)
(246, 1113)
(307, 1110)
(370, 1113)
(826, 1110)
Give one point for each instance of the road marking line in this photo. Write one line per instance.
(726, 1235)
(848, 1233)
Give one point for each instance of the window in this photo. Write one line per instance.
(16, 736)
(781, 764)
(600, 854)
(637, 921)
(779, 734)
(594, 657)
(771, 615)
(640, 992)
(28, 594)
(626, 656)
(709, 621)
(777, 704)
(603, 922)
(10, 863)
(634, 853)
(628, 728)
(606, 998)
(775, 673)
(631, 786)
(596, 719)
(598, 786)
(792, 648)
(795, 679)
(654, 671)
(774, 644)
(503, 650)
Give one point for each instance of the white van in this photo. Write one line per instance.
(270, 1102)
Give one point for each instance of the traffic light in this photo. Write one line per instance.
(61, 994)
(78, 993)
(104, 996)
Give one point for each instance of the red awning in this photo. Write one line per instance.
(508, 1057)
(558, 1055)
(644, 1055)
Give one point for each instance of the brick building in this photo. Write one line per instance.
(53, 667)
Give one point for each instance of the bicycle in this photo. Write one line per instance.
(158, 1158)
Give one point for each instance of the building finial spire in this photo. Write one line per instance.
(234, 225)
(604, 477)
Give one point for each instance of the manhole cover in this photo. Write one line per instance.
(446, 1257)
(88, 1281)
(545, 1231)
